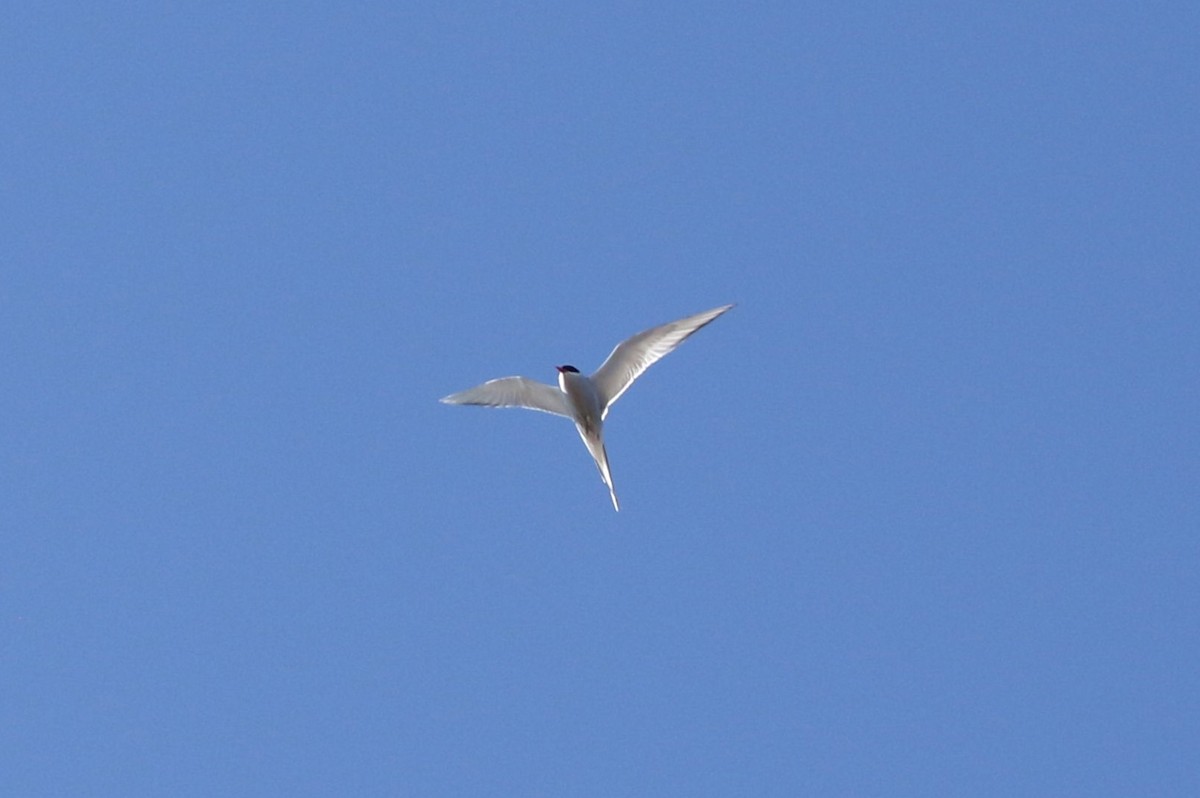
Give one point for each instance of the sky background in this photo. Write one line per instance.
(918, 517)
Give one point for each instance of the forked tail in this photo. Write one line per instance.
(600, 455)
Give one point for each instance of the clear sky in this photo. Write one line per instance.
(918, 517)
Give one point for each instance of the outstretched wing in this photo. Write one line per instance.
(514, 392)
(633, 356)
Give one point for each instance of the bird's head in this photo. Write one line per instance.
(563, 373)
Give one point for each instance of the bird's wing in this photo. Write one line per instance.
(514, 392)
(633, 356)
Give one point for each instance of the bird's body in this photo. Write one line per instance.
(587, 400)
(588, 414)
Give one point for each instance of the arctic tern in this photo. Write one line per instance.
(587, 400)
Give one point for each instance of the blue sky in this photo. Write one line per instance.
(918, 517)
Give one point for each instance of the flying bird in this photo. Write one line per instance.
(587, 400)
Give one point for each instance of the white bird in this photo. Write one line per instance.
(586, 400)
